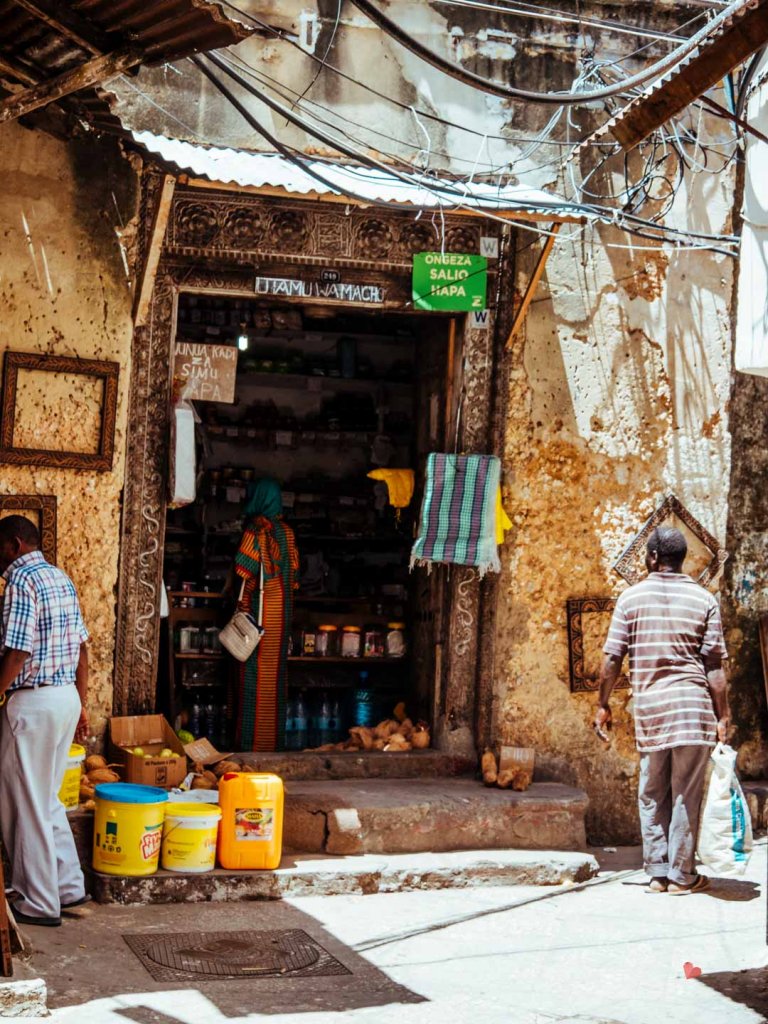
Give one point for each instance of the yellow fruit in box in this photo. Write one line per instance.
(167, 752)
(138, 751)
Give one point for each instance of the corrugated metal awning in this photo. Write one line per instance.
(271, 171)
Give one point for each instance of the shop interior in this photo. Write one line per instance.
(324, 395)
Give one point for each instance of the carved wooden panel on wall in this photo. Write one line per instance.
(43, 512)
(585, 642)
(211, 223)
(97, 369)
(629, 564)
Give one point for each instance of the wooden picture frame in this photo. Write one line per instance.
(46, 505)
(671, 506)
(108, 372)
(575, 608)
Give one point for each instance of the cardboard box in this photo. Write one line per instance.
(152, 733)
(203, 752)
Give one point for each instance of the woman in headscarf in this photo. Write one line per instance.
(270, 544)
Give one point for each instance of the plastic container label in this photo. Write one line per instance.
(254, 823)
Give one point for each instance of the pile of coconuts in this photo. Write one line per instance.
(392, 734)
(96, 771)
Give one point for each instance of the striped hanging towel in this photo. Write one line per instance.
(458, 513)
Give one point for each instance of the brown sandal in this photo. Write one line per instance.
(700, 884)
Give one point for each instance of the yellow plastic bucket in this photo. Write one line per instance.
(189, 837)
(128, 828)
(69, 793)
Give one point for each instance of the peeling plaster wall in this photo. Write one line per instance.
(619, 394)
(63, 291)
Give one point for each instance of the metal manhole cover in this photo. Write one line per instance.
(273, 954)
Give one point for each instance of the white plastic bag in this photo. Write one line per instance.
(725, 835)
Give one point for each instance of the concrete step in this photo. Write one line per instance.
(430, 815)
(361, 876)
(375, 764)
(756, 792)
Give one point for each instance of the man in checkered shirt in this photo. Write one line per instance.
(43, 683)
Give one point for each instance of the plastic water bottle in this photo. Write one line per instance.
(335, 727)
(363, 701)
(194, 720)
(290, 725)
(211, 724)
(324, 730)
(301, 724)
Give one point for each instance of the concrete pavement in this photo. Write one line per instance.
(596, 953)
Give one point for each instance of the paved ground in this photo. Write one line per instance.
(601, 953)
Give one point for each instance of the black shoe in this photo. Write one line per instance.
(77, 903)
(44, 922)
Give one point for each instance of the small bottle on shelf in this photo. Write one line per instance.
(300, 721)
(324, 733)
(290, 725)
(363, 701)
(335, 727)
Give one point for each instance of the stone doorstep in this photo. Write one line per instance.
(430, 816)
(341, 876)
(756, 792)
(308, 766)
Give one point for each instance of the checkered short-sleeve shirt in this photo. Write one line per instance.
(41, 615)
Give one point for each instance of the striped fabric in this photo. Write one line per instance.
(458, 513)
(668, 624)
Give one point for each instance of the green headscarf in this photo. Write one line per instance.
(265, 498)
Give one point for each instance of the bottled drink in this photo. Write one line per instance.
(363, 701)
(211, 722)
(290, 725)
(325, 734)
(194, 720)
(301, 724)
(335, 728)
(223, 728)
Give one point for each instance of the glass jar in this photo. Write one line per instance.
(351, 641)
(308, 641)
(326, 641)
(395, 643)
(373, 642)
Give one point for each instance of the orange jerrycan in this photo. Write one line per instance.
(251, 830)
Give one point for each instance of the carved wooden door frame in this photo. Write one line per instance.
(217, 242)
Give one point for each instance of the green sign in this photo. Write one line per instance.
(449, 282)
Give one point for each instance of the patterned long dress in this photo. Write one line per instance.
(261, 696)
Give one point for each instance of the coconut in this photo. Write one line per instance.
(363, 736)
(100, 775)
(201, 782)
(86, 792)
(405, 728)
(385, 729)
(223, 767)
(399, 712)
(420, 738)
(95, 761)
(89, 805)
(379, 744)
(397, 742)
(489, 768)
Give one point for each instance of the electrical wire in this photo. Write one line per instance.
(549, 14)
(461, 74)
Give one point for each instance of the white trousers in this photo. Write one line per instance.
(35, 735)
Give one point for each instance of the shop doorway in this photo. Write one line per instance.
(323, 396)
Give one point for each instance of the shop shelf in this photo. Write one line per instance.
(198, 657)
(288, 440)
(310, 382)
(337, 660)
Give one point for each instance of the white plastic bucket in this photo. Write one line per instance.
(190, 833)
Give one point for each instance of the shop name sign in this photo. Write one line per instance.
(449, 281)
(207, 371)
(338, 291)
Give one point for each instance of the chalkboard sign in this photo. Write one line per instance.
(207, 372)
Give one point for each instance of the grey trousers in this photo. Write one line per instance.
(35, 734)
(670, 795)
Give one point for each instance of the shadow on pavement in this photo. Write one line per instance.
(88, 960)
(748, 988)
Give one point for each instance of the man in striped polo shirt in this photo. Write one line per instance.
(670, 627)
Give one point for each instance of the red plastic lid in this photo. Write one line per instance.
(230, 775)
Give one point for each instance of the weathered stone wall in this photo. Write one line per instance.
(64, 290)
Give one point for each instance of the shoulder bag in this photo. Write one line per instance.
(242, 634)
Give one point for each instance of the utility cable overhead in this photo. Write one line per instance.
(476, 81)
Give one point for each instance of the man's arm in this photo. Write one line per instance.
(11, 664)
(718, 691)
(609, 675)
(81, 682)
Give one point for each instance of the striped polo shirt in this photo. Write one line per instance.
(668, 624)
